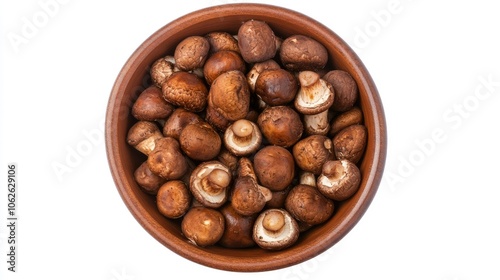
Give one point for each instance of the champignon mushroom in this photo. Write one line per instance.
(151, 106)
(220, 40)
(275, 229)
(220, 62)
(256, 41)
(200, 141)
(312, 152)
(306, 204)
(274, 167)
(248, 197)
(345, 88)
(209, 183)
(257, 69)
(203, 226)
(280, 125)
(242, 138)
(142, 136)
(339, 180)
(179, 119)
(191, 53)
(162, 69)
(300, 52)
(350, 143)
(147, 180)
(313, 99)
(276, 87)
(186, 90)
(345, 119)
(228, 159)
(173, 199)
(167, 160)
(238, 229)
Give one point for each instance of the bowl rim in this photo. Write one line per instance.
(266, 262)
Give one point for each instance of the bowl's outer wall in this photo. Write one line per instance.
(123, 160)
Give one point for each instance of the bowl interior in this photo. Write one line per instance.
(123, 159)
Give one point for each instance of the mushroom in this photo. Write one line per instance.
(280, 125)
(313, 99)
(220, 62)
(167, 160)
(307, 178)
(275, 229)
(238, 229)
(350, 143)
(179, 119)
(339, 180)
(345, 119)
(228, 159)
(186, 90)
(345, 88)
(142, 136)
(306, 204)
(191, 53)
(173, 199)
(242, 138)
(209, 183)
(203, 226)
(300, 52)
(248, 197)
(257, 69)
(220, 40)
(162, 69)
(312, 152)
(151, 106)
(274, 167)
(276, 87)
(200, 141)
(256, 41)
(228, 99)
(147, 180)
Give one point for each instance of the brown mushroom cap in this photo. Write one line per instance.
(312, 152)
(186, 90)
(339, 180)
(229, 95)
(191, 53)
(142, 136)
(350, 143)
(345, 119)
(162, 69)
(209, 183)
(306, 204)
(242, 138)
(258, 68)
(200, 141)
(238, 229)
(275, 229)
(280, 125)
(220, 40)
(345, 88)
(179, 119)
(173, 199)
(166, 160)
(248, 197)
(147, 180)
(203, 226)
(256, 41)
(315, 94)
(276, 87)
(274, 167)
(151, 106)
(220, 62)
(299, 53)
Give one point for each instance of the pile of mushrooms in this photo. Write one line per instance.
(248, 138)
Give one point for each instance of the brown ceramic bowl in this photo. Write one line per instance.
(123, 159)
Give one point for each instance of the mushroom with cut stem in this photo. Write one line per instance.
(203, 226)
(339, 180)
(209, 183)
(167, 160)
(173, 199)
(220, 62)
(142, 136)
(275, 229)
(308, 205)
(151, 106)
(242, 138)
(313, 99)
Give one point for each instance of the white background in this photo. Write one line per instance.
(435, 216)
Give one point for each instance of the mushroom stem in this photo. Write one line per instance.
(274, 222)
(215, 182)
(317, 123)
(243, 130)
(307, 178)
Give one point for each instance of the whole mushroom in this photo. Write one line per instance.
(280, 125)
(258, 68)
(306, 204)
(209, 183)
(167, 160)
(186, 90)
(276, 87)
(191, 53)
(275, 229)
(162, 69)
(312, 152)
(147, 180)
(274, 167)
(256, 41)
(203, 226)
(345, 88)
(151, 106)
(300, 52)
(350, 143)
(238, 228)
(242, 138)
(339, 180)
(220, 62)
(173, 199)
(142, 136)
(178, 120)
(220, 40)
(200, 141)
(345, 119)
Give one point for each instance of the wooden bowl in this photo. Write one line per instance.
(123, 159)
